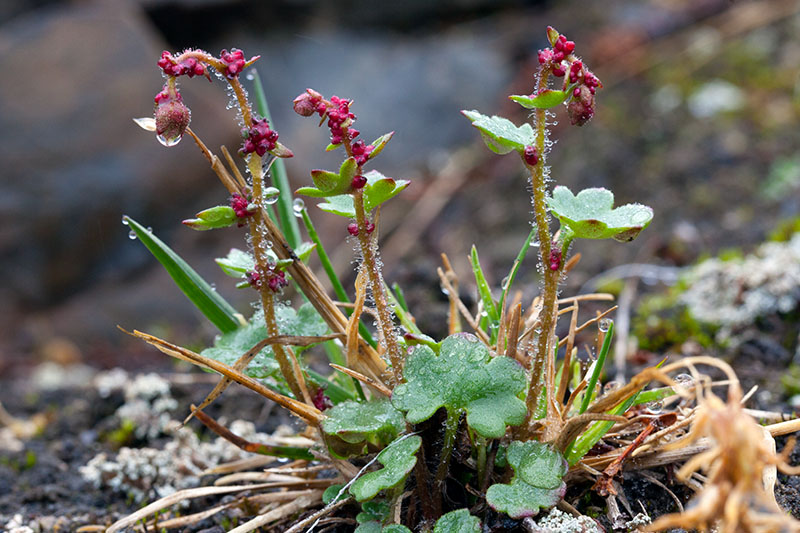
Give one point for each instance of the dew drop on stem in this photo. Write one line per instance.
(169, 141)
(603, 324)
(271, 195)
(297, 207)
(684, 381)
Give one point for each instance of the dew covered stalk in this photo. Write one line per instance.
(543, 359)
(369, 262)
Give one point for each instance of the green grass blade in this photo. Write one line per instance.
(598, 368)
(401, 311)
(492, 316)
(327, 266)
(515, 268)
(201, 294)
(288, 222)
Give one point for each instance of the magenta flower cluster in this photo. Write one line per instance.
(258, 138)
(234, 62)
(241, 206)
(340, 120)
(189, 66)
(272, 278)
(561, 62)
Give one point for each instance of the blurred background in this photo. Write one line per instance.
(698, 119)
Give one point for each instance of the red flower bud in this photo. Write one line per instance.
(352, 229)
(308, 103)
(172, 117)
(581, 107)
(531, 155)
(358, 182)
(555, 259)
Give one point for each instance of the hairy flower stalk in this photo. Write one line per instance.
(230, 64)
(543, 359)
(369, 262)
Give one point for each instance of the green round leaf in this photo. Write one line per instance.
(398, 459)
(463, 377)
(591, 214)
(537, 482)
(356, 422)
(237, 263)
(500, 134)
(459, 521)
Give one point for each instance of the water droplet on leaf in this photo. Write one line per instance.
(124, 220)
(655, 407)
(132, 235)
(271, 195)
(604, 324)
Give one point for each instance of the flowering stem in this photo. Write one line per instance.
(369, 262)
(543, 360)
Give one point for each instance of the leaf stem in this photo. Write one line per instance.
(450, 430)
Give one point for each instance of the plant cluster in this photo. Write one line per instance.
(442, 435)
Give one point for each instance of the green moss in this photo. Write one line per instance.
(662, 322)
(785, 229)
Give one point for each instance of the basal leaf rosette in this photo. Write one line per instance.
(591, 214)
(459, 521)
(500, 134)
(228, 347)
(537, 482)
(362, 423)
(463, 378)
(398, 459)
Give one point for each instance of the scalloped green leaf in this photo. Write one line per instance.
(500, 134)
(591, 214)
(463, 377)
(237, 263)
(230, 346)
(459, 521)
(354, 422)
(341, 205)
(537, 482)
(546, 99)
(398, 459)
(331, 492)
(373, 511)
(378, 190)
(375, 527)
